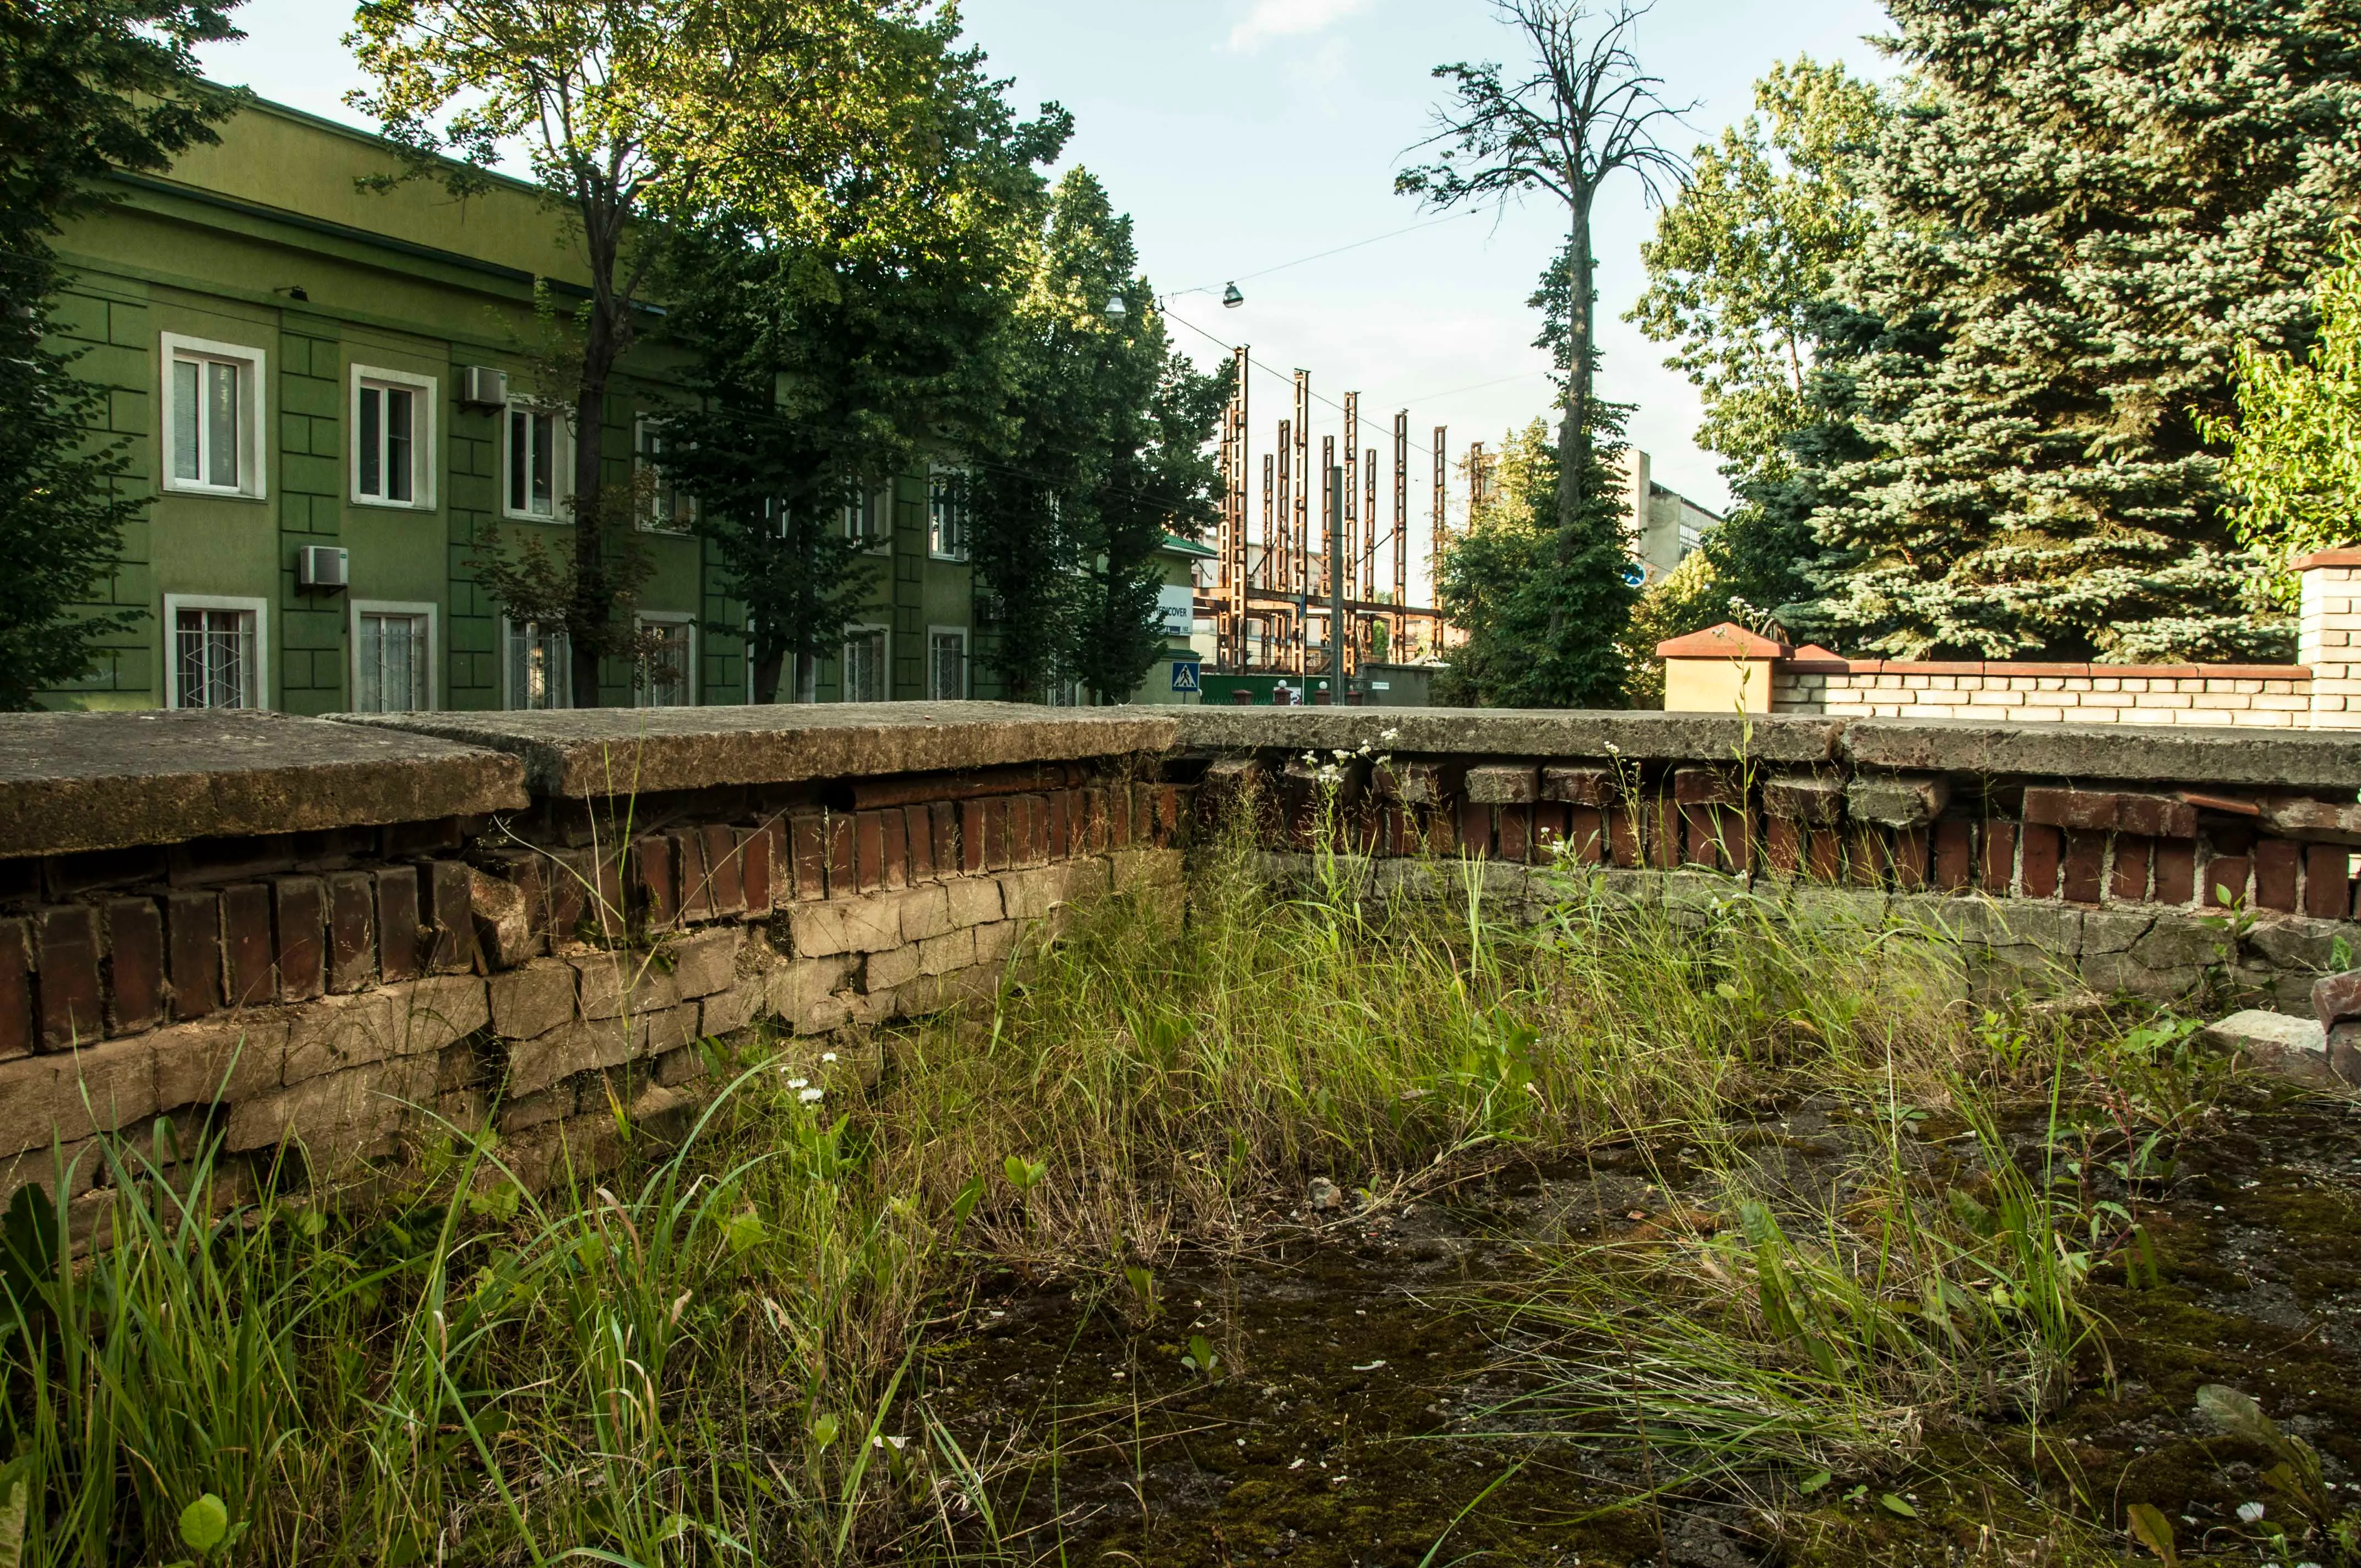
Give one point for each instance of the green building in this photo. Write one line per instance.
(327, 390)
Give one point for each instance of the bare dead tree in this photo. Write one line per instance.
(1585, 112)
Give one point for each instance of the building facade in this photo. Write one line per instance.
(328, 389)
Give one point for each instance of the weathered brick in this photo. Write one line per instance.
(731, 1009)
(1996, 866)
(1060, 824)
(725, 869)
(352, 931)
(993, 943)
(337, 1114)
(972, 854)
(808, 838)
(608, 986)
(521, 1113)
(943, 818)
(843, 857)
(804, 993)
(1626, 841)
(1783, 847)
(450, 893)
(192, 953)
(2086, 860)
(947, 954)
(884, 971)
(134, 965)
(997, 843)
(1955, 855)
(1475, 829)
(706, 962)
(688, 847)
(653, 1034)
(397, 923)
(1578, 787)
(68, 977)
(2089, 810)
(918, 841)
(894, 829)
(1701, 787)
(1168, 812)
(15, 990)
(2176, 871)
(245, 943)
(501, 920)
(655, 884)
(758, 855)
(2156, 817)
(2327, 881)
(2336, 998)
(1512, 828)
(1900, 800)
(2128, 883)
(69, 1095)
(846, 926)
(219, 1061)
(1030, 823)
(419, 1018)
(973, 900)
(300, 913)
(2275, 863)
(1804, 797)
(678, 1069)
(869, 851)
(582, 1045)
(926, 912)
(1824, 857)
(531, 1001)
(2044, 852)
(1869, 855)
(2226, 880)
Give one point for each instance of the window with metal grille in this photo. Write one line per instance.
(540, 667)
(864, 673)
(533, 462)
(667, 662)
(393, 444)
(213, 653)
(947, 666)
(946, 514)
(389, 662)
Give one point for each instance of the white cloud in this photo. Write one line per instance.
(1287, 18)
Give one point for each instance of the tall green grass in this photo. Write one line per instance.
(711, 1355)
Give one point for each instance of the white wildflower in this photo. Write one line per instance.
(797, 1082)
(2249, 1512)
(828, 1056)
(811, 1096)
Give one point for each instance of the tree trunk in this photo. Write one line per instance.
(768, 666)
(1574, 436)
(592, 600)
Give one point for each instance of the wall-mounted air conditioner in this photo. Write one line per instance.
(483, 387)
(322, 566)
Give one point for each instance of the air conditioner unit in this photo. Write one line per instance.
(483, 387)
(322, 566)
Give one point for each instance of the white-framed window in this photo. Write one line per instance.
(866, 674)
(218, 652)
(666, 675)
(213, 417)
(946, 514)
(946, 664)
(534, 462)
(872, 517)
(539, 666)
(393, 657)
(664, 508)
(393, 438)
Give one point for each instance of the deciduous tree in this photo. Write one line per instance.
(87, 87)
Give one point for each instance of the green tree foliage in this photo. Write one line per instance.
(1544, 628)
(2295, 449)
(833, 358)
(657, 111)
(2085, 210)
(1104, 454)
(1740, 269)
(86, 87)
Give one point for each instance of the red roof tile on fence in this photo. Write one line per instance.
(1727, 640)
(2346, 556)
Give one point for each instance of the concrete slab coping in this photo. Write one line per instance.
(72, 782)
(1590, 734)
(597, 753)
(2177, 755)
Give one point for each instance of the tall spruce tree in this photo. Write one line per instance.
(2085, 209)
(86, 87)
(1103, 454)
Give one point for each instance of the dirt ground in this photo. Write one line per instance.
(1348, 1365)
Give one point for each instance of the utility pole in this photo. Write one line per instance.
(1401, 533)
(1348, 536)
(1230, 648)
(1301, 565)
(1263, 565)
(1338, 492)
(1435, 552)
(1330, 523)
(1281, 550)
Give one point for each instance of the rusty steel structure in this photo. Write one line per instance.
(1289, 600)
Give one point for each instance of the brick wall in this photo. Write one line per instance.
(354, 993)
(2273, 697)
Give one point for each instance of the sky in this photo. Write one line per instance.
(1245, 137)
